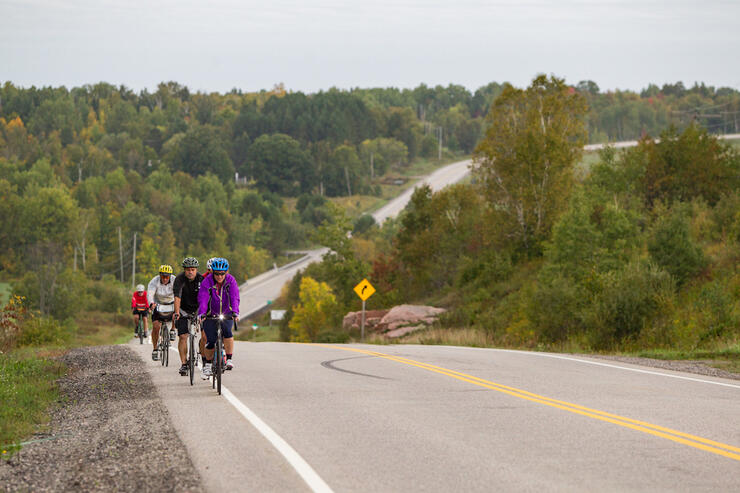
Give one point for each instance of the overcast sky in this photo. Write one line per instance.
(311, 45)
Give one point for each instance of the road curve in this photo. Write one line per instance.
(438, 418)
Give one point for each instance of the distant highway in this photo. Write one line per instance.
(256, 292)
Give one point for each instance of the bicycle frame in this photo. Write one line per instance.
(193, 326)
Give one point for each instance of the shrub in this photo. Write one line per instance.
(11, 319)
(673, 249)
(40, 331)
(629, 300)
(553, 307)
(316, 311)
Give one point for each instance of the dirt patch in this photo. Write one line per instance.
(111, 432)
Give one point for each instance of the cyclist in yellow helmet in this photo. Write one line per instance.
(162, 299)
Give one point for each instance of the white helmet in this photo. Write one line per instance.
(210, 261)
(140, 287)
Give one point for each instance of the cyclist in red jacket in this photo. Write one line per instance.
(140, 307)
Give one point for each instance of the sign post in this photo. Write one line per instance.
(364, 290)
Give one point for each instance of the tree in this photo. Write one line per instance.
(344, 172)
(201, 150)
(315, 312)
(278, 164)
(524, 165)
(692, 164)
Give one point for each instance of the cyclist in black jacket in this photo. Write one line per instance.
(186, 288)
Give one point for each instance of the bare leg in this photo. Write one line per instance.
(182, 346)
(155, 333)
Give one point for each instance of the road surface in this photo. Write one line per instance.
(435, 418)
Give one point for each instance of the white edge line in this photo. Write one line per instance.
(546, 355)
(312, 479)
(304, 470)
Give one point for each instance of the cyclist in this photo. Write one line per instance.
(186, 304)
(218, 294)
(202, 342)
(162, 299)
(140, 308)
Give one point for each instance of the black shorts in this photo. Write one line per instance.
(140, 312)
(182, 325)
(156, 316)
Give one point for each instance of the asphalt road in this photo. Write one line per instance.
(379, 418)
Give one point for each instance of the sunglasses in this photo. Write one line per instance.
(219, 273)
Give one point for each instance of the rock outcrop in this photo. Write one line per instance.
(396, 322)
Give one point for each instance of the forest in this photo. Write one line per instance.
(91, 174)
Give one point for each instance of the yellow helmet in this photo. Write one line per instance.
(165, 269)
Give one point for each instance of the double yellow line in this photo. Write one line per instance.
(705, 444)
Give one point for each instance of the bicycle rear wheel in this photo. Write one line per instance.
(191, 357)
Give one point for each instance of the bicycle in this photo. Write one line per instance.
(164, 333)
(140, 327)
(218, 355)
(193, 331)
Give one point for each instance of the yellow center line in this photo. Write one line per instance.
(659, 431)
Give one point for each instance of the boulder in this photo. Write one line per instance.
(402, 331)
(406, 315)
(353, 320)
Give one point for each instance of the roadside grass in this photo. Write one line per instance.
(101, 328)
(27, 389)
(724, 357)
(264, 333)
(5, 290)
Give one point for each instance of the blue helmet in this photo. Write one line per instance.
(220, 264)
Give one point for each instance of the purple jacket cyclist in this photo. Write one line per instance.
(218, 295)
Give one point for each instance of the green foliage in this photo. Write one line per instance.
(363, 223)
(201, 150)
(688, 165)
(316, 311)
(594, 235)
(525, 162)
(627, 302)
(672, 247)
(278, 164)
(45, 331)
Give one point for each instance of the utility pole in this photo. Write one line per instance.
(79, 171)
(372, 169)
(120, 251)
(133, 264)
(439, 151)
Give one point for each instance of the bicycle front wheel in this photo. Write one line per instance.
(141, 330)
(220, 359)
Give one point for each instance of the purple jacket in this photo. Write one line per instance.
(224, 300)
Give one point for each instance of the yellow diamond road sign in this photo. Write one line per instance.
(364, 290)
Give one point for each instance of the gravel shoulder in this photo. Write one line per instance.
(688, 366)
(110, 432)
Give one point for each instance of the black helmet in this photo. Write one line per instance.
(190, 262)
